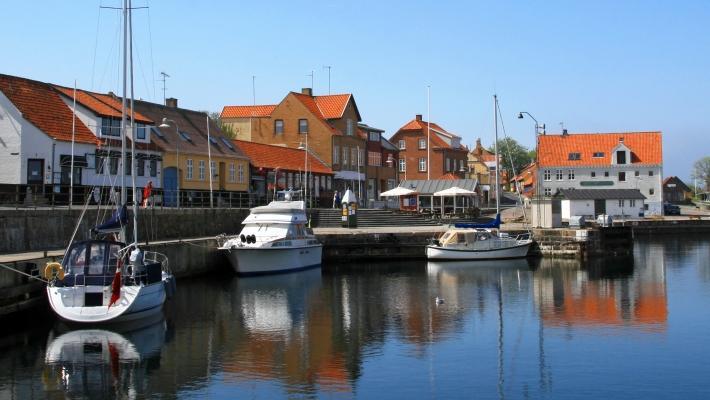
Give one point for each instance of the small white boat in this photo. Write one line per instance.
(274, 239)
(464, 243)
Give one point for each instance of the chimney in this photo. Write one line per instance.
(171, 102)
(478, 143)
(564, 132)
(307, 91)
(418, 117)
(621, 139)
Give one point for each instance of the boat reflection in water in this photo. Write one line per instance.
(100, 363)
(285, 333)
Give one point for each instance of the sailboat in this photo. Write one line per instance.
(104, 279)
(466, 241)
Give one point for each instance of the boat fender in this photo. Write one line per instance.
(53, 270)
(242, 238)
(251, 239)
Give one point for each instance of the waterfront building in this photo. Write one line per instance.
(588, 203)
(36, 140)
(624, 160)
(481, 163)
(675, 190)
(326, 125)
(188, 164)
(380, 164)
(280, 168)
(423, 145)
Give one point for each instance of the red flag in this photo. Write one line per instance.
(116, 285)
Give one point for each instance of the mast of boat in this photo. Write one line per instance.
(495, 150)
(73, 133)
(123, 117)
(133, 126)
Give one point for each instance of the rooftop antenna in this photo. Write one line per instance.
(311, 75)
(253, 89)
(164, 75)
(562, 126)
(328, 67)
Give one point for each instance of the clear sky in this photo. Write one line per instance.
(596, 66)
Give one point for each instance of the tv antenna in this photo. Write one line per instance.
(164, 75)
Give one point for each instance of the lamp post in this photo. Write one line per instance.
(177, 154)
(303, 147)
(537, 158)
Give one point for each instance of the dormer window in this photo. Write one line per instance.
(140, 131)
(621, 157)
(185, 136)
(574, 156)
(598, 154)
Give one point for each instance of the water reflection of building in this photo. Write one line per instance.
(606, 292)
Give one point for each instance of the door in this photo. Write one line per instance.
(599, 207)
(65, 179)
(170, 187)
(222, 175)
(35, 171)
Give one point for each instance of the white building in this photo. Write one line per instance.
(629, 160)
(589, 203)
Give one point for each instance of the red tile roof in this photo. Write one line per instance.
(554, 150)
(42, 106)
(423, 126)
(259, 111)
(332, 106)
(102, 104)
(284, 158)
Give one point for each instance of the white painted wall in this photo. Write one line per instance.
(643, 182)
(586, 208)
(10, 142)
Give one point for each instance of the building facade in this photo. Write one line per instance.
(675, 190)
(628, 160)
(423, 146)
(380, 161)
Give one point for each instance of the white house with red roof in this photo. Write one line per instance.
(623, 160)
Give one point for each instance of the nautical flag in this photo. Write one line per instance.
(116, 284)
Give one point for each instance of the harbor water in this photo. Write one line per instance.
(622, 328)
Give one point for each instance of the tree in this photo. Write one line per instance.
(226, 129)
(513, 154)
(701, 171)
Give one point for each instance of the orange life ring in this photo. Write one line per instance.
(53, 270)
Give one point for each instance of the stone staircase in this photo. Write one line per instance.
(368, 218)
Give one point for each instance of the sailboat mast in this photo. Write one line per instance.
(123, 116)
(495, 150)
(133, 127)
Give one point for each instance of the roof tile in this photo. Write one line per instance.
(554, 150)
(284, 158)
(259, 111)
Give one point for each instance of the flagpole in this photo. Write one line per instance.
(71, 168)
(209, 158)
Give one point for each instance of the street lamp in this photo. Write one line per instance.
(537, 158)
(177, 154)
(301, 146)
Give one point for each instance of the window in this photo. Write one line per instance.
(140, 167)
(570, 174)
(157, 132)
(336, 154)
(113, 165)
(621, 203)
(636, 173)
(650, 191)
(232, 173)
(202, 169)
(422, 143)
(213, 140)
(213, 170)
(140, 132)
(547, 175)
(185, 136)
(606, 174)
(374, 136)
(621, 157)
(422, 164)
(548, 192)
(594, 174)
(227, 143)
(448, 164)
(622, 176)
(650, 173)
(110, 127)
(241, 173)
(374, 158)
(279, 126)
(329, 183)
(129, 166)
(346, 152)
(402, 145)
(349, 127)
(402, 165)
(632, 203)
(598, 154)
(353, 157)
(559, 175)
(190, 169)
(153, 168)
(303, 126)
(574, 156)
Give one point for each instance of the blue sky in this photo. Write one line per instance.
(597, 66)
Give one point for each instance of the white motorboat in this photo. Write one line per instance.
(104, 280)
(274, 239)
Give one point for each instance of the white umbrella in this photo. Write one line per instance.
(398, 191)
(452, 191)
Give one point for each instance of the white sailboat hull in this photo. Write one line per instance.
(517, 250)
(136, 302)
(255, 260)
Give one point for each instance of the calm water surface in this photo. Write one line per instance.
(622, 328)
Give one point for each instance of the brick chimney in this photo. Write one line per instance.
(307, 91)
(418, 117)
(171, 102)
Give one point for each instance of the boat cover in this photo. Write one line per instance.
(493, 224)
(114, 224)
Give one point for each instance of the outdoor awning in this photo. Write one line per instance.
(79, 161)
(398, 191)
(349, 176)
(454, 191)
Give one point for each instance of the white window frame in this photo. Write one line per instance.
(548, 192)
(213, 170)
(559, 176)
(190, 169)
(547, 175)
(570, 174)
(232, 173)
(402, 144)
(201, 167)
(240, 172)
(402, 165)
(349, 127)
(422, 164)
(422, 144)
